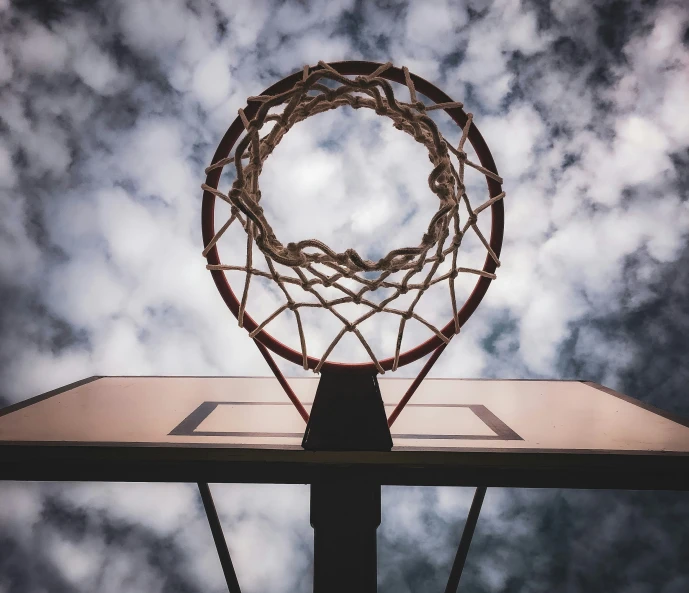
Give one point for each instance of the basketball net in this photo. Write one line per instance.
(314, 264)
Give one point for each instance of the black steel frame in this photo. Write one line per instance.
(231, 576)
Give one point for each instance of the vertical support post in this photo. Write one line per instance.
(347, 415)
(345, 516)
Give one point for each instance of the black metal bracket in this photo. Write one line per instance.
(347, 415)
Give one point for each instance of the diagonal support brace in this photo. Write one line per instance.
(219, 539)
(465, 542)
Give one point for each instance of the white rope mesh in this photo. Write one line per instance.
(418, 265)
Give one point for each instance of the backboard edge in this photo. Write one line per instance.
(38, 398)
(641, 404)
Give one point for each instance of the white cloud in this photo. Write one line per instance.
(246, 20)
(212, 79)
(171, 20)
(467, 358)
(296, 17)
(133, 232)
(291, 54)
(44, 142)
(673, 116)
(655, 87)
(434, 24)
(20, 258)
(542, 326)
(513, 140)
(131, 571)
(638, 155)
(77, 562)
(522, 32)
(270, 523)
(592, 345)
(87, 291)
(39, 49)
(37, 371)
(21, 508)
(98, 71)
(508, 27)
(154, 157)
(137, 503)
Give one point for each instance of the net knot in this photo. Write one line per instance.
(407, 315)
(420, 106)
(350, 327)
(404, 289)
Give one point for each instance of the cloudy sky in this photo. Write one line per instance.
(109, 113)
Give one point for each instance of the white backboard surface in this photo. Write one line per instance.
(253, 414)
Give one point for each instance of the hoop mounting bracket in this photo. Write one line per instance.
(347, 415)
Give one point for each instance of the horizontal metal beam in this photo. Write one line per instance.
(108, 462)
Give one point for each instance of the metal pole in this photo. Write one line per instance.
(465, 542)
(219, 538)
(345, 516)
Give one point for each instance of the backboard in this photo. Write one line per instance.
(243, 429)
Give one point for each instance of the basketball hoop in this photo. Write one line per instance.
(358, 85)
(240, 430)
